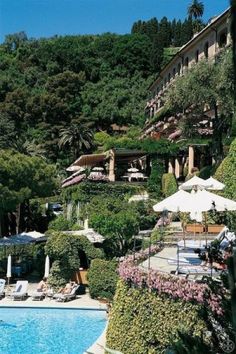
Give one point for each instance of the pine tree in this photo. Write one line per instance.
(177, 42)
(164, 32)
(152, 28)
(187, 31)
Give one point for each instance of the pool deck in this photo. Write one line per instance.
(81, 301)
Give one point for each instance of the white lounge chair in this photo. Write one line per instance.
(195, 260)
(38, 295)
(198, 270)
(66, 297)
(2, 286)
(194, 244)
(20, 292)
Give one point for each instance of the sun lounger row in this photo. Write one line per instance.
(21, 292)
(57, 296)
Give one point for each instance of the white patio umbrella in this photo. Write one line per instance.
(98, 168)
(203, 200)
(179, 201)
(47, 267)
(214, 184)
(133, 169)
(194, 182)
(73, 168)
(9, 268)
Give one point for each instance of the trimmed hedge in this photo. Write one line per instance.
(154, 181)
(86, 190)
(102, 277)
(225, 173)
(169, 184)
(142, 322)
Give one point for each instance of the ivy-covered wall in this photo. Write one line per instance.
(169, 184)
(143, 322)
(84, 191)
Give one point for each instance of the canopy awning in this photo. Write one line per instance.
(121, 155)
(22, 239)
(89, 160)
(73, 180)
(91, 234)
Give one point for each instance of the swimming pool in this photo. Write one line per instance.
(44, 330)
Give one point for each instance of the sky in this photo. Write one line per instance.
(46, 18)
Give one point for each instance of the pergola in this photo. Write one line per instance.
(112, 157)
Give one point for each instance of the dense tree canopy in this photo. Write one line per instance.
(96, 80)
(23, 177)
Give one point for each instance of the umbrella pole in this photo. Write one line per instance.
(134, 246)
(184, 236)
(8, 284)
(177, 272)
(206, 228)
(149, 253)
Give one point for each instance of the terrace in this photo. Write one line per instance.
(115, 165)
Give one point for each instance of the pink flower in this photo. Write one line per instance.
(167, 284)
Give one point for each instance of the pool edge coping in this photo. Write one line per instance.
(55, 307)
(98, 347)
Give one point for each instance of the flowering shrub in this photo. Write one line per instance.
(167, 284)
(142, 321)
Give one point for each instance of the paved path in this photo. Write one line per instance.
(161, 264)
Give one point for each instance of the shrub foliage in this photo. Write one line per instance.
(143, 322)
(225, 173)
(169, 184)
(102, 278)
(65, 252)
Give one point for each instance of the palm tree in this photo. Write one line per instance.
(77, 137)
(195, 9)
(27, 147)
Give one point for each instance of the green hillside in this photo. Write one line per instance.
(84, 82)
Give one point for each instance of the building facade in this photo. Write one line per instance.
(206, 44)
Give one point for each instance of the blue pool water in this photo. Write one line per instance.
(44, 331)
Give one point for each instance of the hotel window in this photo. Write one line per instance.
(206, 50)
(169, 78)
(186, 62)
(179, 69)
(197, 56)
(222, 41)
